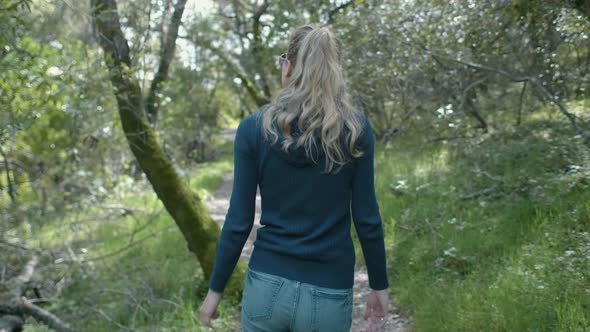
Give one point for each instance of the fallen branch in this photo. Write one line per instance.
(25, 308)
(12, 315)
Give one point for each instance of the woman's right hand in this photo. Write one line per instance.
(377, 309)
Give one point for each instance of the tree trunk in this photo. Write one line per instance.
(185, 206)
(11, 191)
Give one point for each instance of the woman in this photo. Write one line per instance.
(302, 150)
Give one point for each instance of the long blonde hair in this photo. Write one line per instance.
(316, 96)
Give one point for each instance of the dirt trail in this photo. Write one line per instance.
(219, 204)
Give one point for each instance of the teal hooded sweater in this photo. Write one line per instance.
(305, 232)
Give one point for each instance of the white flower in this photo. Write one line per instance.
(54, 71)
(401, 184)
(451, 251)
(56, 44)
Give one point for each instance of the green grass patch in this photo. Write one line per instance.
(490, 234)
(136, 270)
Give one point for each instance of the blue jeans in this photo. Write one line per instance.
(275, 304)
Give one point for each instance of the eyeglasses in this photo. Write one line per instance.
(281, 60)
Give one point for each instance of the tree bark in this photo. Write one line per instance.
(185, 206)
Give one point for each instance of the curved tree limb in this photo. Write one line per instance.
(471, 108)
(576, 122)
(250, 86)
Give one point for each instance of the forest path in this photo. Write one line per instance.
(218, 206)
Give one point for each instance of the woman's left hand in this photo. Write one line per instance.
(208, 309)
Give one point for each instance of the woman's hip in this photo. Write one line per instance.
(274, 303)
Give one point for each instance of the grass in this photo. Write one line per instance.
(493, 235)
(137, 271)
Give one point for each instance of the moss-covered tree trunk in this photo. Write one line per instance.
(185, 206)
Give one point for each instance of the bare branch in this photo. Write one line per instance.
(26, 308)
(574, 120)
(257, 42)
(337, 10)
(18, 308)
(152, 102)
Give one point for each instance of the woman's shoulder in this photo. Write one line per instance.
(366, 130)
(255, 117)
(364, 119)
(252, 120)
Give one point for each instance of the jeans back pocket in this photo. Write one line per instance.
(260, 295)
(332, 309)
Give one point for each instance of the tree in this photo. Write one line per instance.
(185, 206)
(255, 32)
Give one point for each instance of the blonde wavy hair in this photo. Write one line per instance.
(316, 96)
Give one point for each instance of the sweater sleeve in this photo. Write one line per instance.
(366, 215)
(240, 215)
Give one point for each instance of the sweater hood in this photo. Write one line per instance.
(296, 156)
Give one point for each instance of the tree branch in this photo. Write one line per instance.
(13, 313)
(259, 99)
(152, 102)
(574, 120)
(337, 10)
(26, 308)
(257, 42)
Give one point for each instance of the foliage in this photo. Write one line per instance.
(408, 59)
